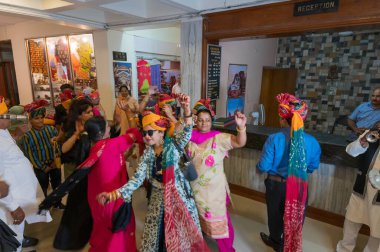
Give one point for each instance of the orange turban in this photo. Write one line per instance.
(3, 106)
(158, 122)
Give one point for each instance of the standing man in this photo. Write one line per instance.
(24, 191)
(365, 116)
(364, 204)
(288, 156)
(177, 90)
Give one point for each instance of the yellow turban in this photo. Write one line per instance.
(3, 106)
(158, 122)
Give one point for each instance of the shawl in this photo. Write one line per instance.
(296, 182)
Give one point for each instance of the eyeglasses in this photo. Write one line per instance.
(149, 132)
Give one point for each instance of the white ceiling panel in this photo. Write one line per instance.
(119, 14)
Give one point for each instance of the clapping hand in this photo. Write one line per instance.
(240, 120)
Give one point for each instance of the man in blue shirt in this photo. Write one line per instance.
(365, 115)
(274, 160)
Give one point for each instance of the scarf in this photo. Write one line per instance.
(296, 182)
(198, 137)
(181, 232)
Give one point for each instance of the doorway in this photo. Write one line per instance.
(8, 83)
(275, 81)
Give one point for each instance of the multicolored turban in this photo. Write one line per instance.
(37, 108)
(158, 122)
(296, 182)
(3, 106)
(166, 99)
(289, 105)
(203, 104)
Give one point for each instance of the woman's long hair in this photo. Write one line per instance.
(95, 127)
(76, 109)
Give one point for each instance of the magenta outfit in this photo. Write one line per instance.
(108, 173)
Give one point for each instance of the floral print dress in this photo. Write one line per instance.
(154, 220)
(211, 186)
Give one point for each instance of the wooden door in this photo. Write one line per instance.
(273, 82)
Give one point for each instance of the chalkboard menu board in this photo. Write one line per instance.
(214, 56)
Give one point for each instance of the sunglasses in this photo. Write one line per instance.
(149, 132)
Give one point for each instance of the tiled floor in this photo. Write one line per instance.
(248, 217)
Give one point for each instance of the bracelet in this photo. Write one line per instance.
(241, 130)
(188, 116)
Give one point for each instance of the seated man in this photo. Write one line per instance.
(364, 204)
(365, 115)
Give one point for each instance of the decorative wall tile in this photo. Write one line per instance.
(357, 59)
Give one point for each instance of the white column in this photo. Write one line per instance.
(191, 57)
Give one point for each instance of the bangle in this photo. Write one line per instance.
(188, 116)
(241, 130)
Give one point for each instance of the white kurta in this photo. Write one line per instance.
(24, 189)
(359, 209)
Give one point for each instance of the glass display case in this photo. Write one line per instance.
(39, 69)
(83, 61)
(55, 61)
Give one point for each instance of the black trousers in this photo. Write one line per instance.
(54, 176)
(275, 198)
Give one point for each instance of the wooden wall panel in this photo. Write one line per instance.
(278, 20)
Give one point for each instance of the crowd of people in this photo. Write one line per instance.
(164, 147)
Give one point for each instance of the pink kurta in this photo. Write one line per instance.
(108, 174)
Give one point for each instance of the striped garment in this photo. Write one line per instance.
(37, 147)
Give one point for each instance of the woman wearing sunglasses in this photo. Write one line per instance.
(209, 148)
(172, 221)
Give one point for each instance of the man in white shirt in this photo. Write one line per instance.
(364, 204)
(25, 194)
(177, 90)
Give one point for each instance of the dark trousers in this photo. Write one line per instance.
(54, 176)
(275, 198)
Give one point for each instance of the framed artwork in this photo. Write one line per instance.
(122, 72)
(234, 105)
(237, 75)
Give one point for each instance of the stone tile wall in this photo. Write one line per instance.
(357, 57)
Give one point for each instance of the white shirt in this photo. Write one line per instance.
(24, 189)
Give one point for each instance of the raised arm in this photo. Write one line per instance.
(241, 138)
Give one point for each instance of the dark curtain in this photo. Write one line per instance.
(8, 83)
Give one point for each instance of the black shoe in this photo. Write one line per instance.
(269, 242)
(29, 241)
(60, 206)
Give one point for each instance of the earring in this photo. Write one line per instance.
(162, 141)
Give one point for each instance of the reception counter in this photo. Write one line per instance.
(329, 187)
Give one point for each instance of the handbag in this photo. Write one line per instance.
(188, 168)
(57, 155)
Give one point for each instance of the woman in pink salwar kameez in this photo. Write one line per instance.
(108, 172)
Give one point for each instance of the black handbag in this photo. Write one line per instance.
(188, 168)
(122, 217)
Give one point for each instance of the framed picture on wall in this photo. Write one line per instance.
(122, 72)
(237, 75)
(234, 105)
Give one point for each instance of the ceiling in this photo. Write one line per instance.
(115, 14)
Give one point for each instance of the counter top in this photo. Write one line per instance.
(333, 146)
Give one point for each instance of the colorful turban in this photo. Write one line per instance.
(3, 106)
(158, 122)
(166, 99)
(203, 104)
(289, 105)
(66, 95)
(37, 108)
